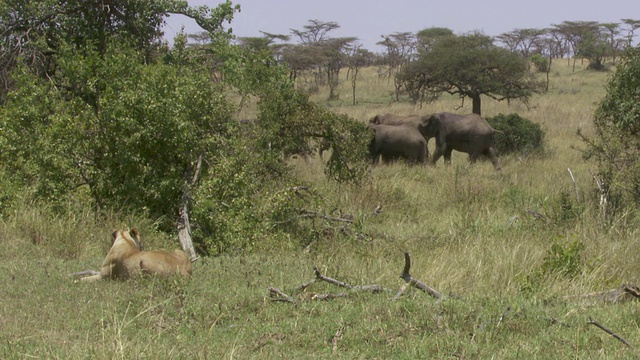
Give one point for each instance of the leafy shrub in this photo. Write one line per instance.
(616, 144)
(540, 62)
(564, 258)
(516, 135)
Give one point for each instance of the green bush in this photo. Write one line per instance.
(616, 143)
(540, 62)
(516, 135)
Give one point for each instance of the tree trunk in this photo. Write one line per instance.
(476, 104)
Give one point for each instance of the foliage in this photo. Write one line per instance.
(516, 134)
(616, 143)
(468, 66)
(540, 62)
(563, 258)
(132, 133)
(129, 128)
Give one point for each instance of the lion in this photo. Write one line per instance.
(126, 259)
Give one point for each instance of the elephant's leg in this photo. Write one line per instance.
(436, 154)
(491, 153)
(447, 155)
(473, 157)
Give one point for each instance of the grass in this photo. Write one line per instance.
(513, 283)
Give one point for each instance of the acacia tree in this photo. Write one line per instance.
(469, 66)
(400, 47)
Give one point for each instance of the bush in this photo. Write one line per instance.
(540, 62)
(517, 135)
(616, 144)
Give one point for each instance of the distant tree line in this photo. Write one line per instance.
(476, 64)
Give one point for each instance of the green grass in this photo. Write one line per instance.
(466, 227)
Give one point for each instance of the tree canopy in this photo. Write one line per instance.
(468, 66)
(96, 107)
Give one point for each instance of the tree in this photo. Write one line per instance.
(632, 26)
(357, 58)
(523, 40)
(400, 47)
(469, 66)
(144, 128)
(616, 144)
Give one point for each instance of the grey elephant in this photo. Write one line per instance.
(394, 142)
(415, 121)
(466, 133)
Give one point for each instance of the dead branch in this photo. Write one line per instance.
(410, 280)
(537, 215)
(575, 186)
(603, 195)
(319, 276)
(306, 285)
(622, 294)
(608, 331)
(328, 296)
(83, 273)
(373, 287)
(282, 296)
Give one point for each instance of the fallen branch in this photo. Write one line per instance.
(328, 296)
(83, 273)
(622, 294)
(373, 287)
(538, 216)
(282, 296)
(608, 331)
(411, 281)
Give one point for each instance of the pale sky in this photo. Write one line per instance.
(369, 19)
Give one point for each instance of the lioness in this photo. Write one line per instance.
(125, 259)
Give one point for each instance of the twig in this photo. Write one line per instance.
(575, 186)
(608, 331)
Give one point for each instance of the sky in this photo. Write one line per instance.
(368, 20)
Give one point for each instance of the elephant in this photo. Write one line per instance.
(391, 119)
(397, 141)
(414, 121)
(466, 133)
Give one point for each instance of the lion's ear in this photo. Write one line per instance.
(114, 234)
(136, 237)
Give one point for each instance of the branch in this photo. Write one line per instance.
(575, 186)
(282, 296)
(608, 331)
(411, 281)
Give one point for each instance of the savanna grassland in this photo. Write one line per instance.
(515, 285)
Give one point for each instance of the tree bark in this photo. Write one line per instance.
(476, 104)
